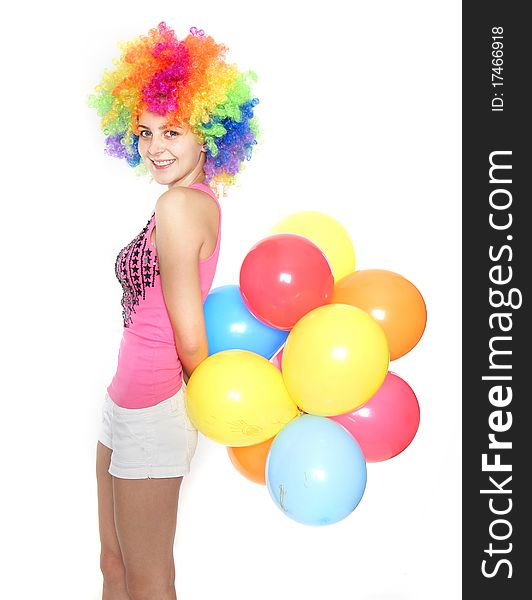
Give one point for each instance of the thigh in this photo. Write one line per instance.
(108, 537)
(145, 520)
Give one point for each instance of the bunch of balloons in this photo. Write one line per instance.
(297, 383)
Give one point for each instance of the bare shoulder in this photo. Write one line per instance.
(195, 203)
(189, 216)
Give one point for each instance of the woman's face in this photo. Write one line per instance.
(171, 153)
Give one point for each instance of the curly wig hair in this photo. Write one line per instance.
(190, 83)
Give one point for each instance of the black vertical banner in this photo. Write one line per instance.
(497, 331)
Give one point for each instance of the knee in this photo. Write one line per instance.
(147, 586)
(112, 568)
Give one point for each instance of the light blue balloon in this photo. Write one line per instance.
(231, 326)
(315, 471)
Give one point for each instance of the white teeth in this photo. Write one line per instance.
(161, 163)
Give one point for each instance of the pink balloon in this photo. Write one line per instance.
(277, 360)
(386, 424)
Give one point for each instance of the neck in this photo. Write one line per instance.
(195, 176)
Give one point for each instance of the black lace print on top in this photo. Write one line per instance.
(136, 268)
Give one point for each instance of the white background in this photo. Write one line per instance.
(360, 112)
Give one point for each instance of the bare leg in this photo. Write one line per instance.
(145, 519)
(111, 563)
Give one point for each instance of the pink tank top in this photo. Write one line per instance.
(149, 370)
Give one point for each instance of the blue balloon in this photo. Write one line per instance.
(315, 471)
(231, 326)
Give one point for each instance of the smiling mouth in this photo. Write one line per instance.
(162, 164)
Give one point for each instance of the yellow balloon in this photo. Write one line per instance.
(334, 360)
(238, 398)
(327, 233)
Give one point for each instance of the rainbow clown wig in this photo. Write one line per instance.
(188, 81)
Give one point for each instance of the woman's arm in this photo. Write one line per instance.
(181, 229)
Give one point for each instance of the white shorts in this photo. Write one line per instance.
(147, 443)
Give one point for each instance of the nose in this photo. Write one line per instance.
(157, 145)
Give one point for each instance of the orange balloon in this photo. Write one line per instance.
(392, 300)
(250, 461)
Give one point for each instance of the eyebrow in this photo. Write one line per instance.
(163, 127)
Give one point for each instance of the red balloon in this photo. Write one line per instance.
(283, 277)
(386, 424)
(277, 359)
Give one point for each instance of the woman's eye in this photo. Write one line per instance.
(172, 133)
(144, 133)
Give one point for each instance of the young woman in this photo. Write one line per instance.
(179, 111)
